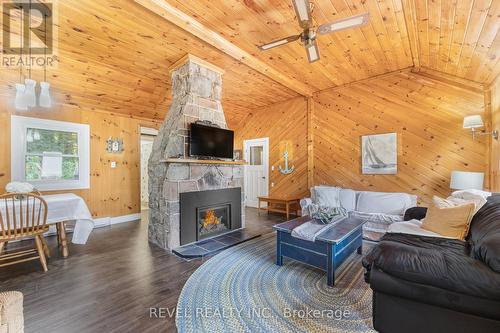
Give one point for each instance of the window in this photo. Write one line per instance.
(51, 155)
(256, 153)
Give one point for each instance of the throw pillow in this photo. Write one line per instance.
(451, 221)
(451, 201)
(327, 196)
(465, 194)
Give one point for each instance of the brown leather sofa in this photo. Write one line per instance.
(429, 284)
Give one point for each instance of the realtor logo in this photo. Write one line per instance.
(28, 34)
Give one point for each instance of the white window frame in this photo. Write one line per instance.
(19, 126)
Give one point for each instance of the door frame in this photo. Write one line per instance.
(265, 162)
(147, 128)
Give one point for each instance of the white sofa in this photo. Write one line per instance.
(378, 209)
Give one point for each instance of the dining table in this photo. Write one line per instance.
(66, 207)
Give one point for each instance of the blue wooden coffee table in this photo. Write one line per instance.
(327, 252)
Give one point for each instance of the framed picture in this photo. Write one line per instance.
(238, 155)
(379, 154)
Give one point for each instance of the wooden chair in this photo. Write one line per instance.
(23, 215)
(62, 240)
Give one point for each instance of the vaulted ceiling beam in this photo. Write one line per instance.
(187, 23)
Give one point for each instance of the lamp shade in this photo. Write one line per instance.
(462, 180)
(473, 121)
(20, 101)
(30, 94)
(45, 100)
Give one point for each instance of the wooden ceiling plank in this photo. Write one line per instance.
(492, 69)
(364, 52)
(476, 24)
(462, 21)
(447, 25)
(422, 16)
(411, 27)
(386, 11)
(373, 36)
(400, 17)
(377, 22)
(370, 39)
(484, 44)
(187, 23)
(434, 24)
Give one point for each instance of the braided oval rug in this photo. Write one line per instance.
(242, 290)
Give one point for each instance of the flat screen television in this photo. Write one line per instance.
(213, 142)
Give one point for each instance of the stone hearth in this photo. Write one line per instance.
(196, 95)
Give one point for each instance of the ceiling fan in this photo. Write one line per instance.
(303, 10)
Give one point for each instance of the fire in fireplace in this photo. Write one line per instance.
(209, 213)
(213, 220)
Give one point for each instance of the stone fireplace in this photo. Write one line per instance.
(196, 96)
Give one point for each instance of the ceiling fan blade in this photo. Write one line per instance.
(312, 51)
(303, 12)
(279, 42)
(345, 23)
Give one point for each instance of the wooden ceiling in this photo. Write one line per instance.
(115, 54)
(456, 37)
(379, 47)
(460, 38)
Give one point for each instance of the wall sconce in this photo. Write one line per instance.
(476, 121)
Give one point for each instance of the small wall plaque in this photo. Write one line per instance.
(114, 145)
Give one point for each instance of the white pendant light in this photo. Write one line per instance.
(20, 101)
(45, 100)
(30, 94)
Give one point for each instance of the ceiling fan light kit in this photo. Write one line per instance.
(303, 11)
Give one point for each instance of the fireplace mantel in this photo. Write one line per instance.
(195, 161)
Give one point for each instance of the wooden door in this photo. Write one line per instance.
(256, 153)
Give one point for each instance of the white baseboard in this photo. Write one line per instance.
(98, 223)
(107, 221)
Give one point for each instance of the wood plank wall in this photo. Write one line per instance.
(113, 192)
(426, 113)
(283, 123)
(495, 145)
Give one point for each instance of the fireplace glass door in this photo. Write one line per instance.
(213, 220)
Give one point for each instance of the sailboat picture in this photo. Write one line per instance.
(379, 154)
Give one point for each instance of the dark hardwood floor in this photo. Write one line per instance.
(109, 284)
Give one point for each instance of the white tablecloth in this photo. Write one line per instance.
(69, 207)
(62, 208)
